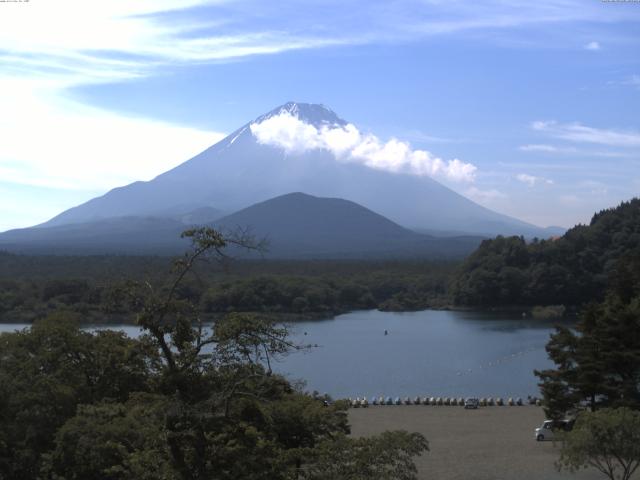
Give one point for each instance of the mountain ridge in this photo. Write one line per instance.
(302, 225)
(298, 226)
(239, 171)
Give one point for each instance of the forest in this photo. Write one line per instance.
(183, 402)
(31, 287)
(570, 270)
(178, 403)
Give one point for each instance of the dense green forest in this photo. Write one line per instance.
(33, 286)
(178, 403)
(507, 271)
(571, 270)
(597, 363)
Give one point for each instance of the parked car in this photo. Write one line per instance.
(549, 428)
(471, 403)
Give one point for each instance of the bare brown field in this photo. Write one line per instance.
(491, 443)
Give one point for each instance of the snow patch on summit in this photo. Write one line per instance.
(314, 114)
(235, 137)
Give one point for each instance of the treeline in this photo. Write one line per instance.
(96, 287)
(329, 294)
(597, 363)
(571, 270)
(178, 403)
(101, 405)
(25, 301)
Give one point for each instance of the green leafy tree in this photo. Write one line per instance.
(607, 440)
(230, 416)
(185, 401)
(389, 456)
(47, 371)
(597, 366)
(574, 269)
(112, 441)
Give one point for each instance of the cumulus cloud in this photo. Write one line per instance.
(532, 180)
(347, 143)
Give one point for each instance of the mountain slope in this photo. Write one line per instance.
(299, 225)
(122, 235)
(296, 226)
(239, 171)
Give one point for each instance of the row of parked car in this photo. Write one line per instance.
(471, 402)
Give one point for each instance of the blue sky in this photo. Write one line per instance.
(542, 98)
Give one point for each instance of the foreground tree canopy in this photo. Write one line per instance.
(607, 440)
(182, 401)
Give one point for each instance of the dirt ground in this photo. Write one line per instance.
(491, 443)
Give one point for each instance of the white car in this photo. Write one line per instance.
(471, 403)
(547, 430)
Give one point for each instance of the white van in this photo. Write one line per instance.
(549, 427)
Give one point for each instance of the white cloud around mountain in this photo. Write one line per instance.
(347, 143)
(48, 47)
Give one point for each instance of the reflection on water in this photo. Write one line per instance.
(435, 353)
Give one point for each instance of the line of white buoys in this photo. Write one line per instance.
(496, 362)
(447, 401)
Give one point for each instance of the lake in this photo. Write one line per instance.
(434, 353)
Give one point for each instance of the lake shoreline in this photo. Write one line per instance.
(427, 353)
(292, 317)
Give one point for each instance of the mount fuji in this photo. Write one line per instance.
(254, 164)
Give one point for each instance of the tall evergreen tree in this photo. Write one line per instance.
(598, 364)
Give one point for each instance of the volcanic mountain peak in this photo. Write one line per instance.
(314, 114)
(241, 170)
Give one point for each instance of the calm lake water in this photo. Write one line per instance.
(434, 353)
